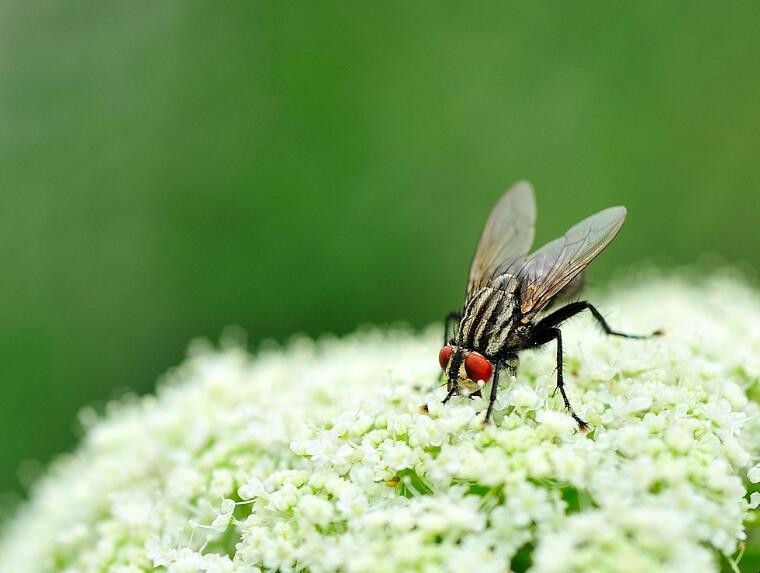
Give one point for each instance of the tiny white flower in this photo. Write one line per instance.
(679, 438)
(556, 424)
(523, 396)
(284, 498)
(316, 510)
(221, 522)
(252, 488)
(397, 455)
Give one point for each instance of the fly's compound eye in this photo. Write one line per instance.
(444, 355)
(477, 367)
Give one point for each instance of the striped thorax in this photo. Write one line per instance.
(489, 316)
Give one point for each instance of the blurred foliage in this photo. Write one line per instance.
(168, 168)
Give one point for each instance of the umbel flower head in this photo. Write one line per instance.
(318, 456)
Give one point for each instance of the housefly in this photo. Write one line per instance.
(509, 293)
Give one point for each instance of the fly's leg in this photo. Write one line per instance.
(494, 389)
(450, 393)
(547, 330)
(561, 315)
(511, 362)
(547, 335)
(453, 316)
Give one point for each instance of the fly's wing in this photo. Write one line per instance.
(507, 236)
(556, 264)
(569, 292)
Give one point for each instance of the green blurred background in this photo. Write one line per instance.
(169, 168)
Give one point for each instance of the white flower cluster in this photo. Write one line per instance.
(338, 456)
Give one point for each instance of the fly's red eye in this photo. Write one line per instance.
(443, 356)
(477, 367)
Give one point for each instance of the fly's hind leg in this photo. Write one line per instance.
(569, 310)
(547, 330)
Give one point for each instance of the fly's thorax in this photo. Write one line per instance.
(488, 314)
(513, 336)
(520, 335)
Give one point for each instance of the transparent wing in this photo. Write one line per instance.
(507, 236)
(547, 271)
(569, 292)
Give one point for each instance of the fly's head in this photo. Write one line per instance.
(464, 368)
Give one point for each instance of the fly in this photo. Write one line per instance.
(509, 291)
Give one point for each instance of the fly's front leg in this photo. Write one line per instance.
(547, 335)
(450, 393)
(453, 316)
